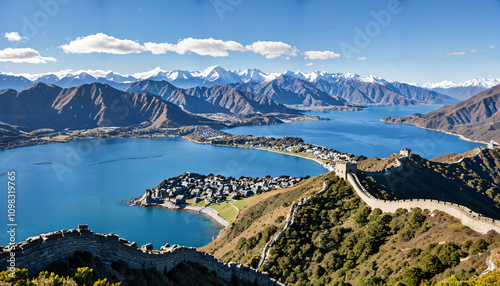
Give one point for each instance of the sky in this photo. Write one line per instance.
(414, 41)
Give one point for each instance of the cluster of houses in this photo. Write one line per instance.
(321, 152)
(215, 188)
(332, 156)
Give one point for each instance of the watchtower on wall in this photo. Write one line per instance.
(405, 152)
(491, 145)
(342, 168)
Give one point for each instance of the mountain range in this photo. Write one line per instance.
(352, 88)
(477, 117)
(215, 99)
(87, 106)
(293, 92)
(462, 90)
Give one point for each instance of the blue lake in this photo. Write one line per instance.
(363, 132)
(88, 178)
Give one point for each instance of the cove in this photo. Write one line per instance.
(363, 133)
(82, 182)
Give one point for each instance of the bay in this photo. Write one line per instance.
(82, 182)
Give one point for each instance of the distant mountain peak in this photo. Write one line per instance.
(148, 74)
(477, 82)
(462, 90)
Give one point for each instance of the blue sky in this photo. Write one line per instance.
(413, 41)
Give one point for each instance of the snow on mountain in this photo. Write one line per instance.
(319, 75)
(356, 77)
(154, 73)
(17, 82)
(464, 89)
(119, 77)
(179, 75)
(334, 77)
(256, 75)
(187, 79)
(443, 84)
(483, 83)
(216, 75)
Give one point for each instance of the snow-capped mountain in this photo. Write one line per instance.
(464, 89)
(443, 84)
(17, 82)
(119, 78)
(256, 75)
(214, 75)
(484, 83)
(217, 75)
(365, 89)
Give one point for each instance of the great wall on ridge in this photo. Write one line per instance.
(467, 217)
(37, 253)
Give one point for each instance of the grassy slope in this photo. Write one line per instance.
(453, 157)
(226, 210)
(260, 213)
(327, 243)
(377, 164)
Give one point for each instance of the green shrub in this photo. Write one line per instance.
(412, 276)
(84, 276)
(431, 264)
(416, 219)
(479, 245)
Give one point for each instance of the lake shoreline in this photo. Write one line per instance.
(460, 136)
(50, 136)
(209, 212)
(328, 168)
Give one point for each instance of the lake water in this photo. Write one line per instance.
(362, 132)
(86, 180)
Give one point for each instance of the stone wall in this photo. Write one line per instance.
(468, 218)
(36, 253)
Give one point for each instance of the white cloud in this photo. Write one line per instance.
(321, 55)
(456, 54)
(271, 49)
(361, 59)
(160, 48)
(203, 47)
(492, 47)
(309, 64)
(209, 47)
(24, 55)
(102, 43)
(473, 51)
(14, 37)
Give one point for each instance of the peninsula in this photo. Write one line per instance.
(205, 194)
